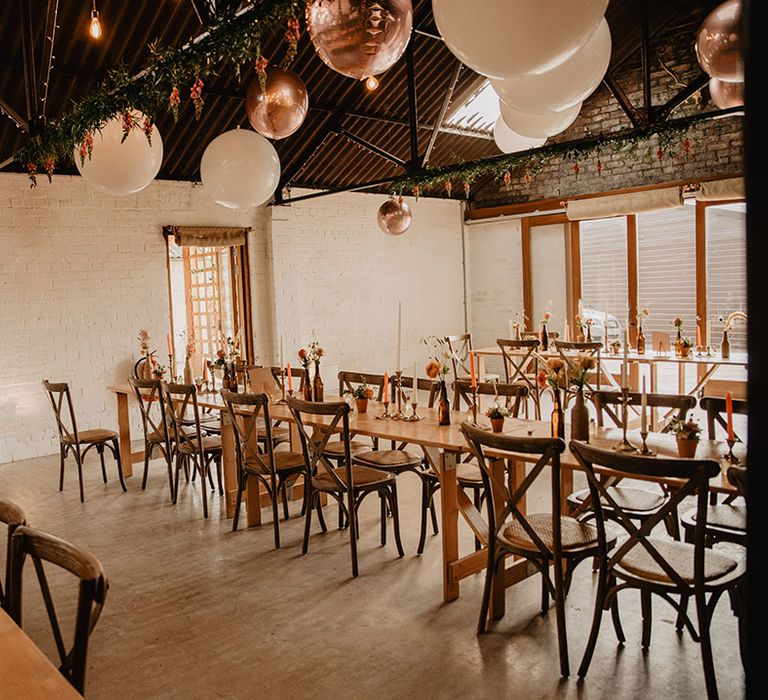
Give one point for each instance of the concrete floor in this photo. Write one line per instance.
(197, 611)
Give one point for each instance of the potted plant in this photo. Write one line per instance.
(685, 347)
(580, 369)
(687, 433)
(677, 322)
(361, 394)
(497, 414)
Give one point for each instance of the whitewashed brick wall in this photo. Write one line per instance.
(81, 272)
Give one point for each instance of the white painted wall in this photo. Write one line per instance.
(81, 272)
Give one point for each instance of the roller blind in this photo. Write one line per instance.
(207, 236)
(623, 204)
(717, 190)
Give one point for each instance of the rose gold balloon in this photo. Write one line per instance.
(280, 109)
(394, 216)
(360, 38)
(726, 95)
(718, 44)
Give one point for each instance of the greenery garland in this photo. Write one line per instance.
(235, 39)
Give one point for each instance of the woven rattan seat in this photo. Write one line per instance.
(638, 562)
(731, 516)
(574, 534)
(283, 462)
(336, 448)
(89, 436)
(361, 476)
(210, 444)
(467, 472)
(384, 459)
(628, 498)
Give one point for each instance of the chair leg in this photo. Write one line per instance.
(175, 489)
(681, 613)
(383, 517)
(169, 466)
(352, 518)
(206, 472)
(478, 504)
(544, 590)
(432, 510)
(207, 465)
(275, 514)
(100, 450)
(425, 504)
(486, 600)
(616, 618)
(79, 461)
(116, 455)
(284, 494)
(147, 456)
(562, 637)
(219, 476)
(395, 508)
(63, 456)
(309, 498)
(706, 645)
(602, 586)
(238, 500)
(645, 606)
(321, 519)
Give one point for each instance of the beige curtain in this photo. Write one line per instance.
(732, 188)
(623, 204)
(207, 236)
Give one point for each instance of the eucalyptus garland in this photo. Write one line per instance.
(169, 75)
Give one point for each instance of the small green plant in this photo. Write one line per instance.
(362, 391)
(687, 342)
(685, 429)
(497, 411)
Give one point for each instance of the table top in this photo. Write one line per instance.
(25, 672)
(737, 359)
(428, 433)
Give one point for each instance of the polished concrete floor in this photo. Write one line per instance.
(197, 611)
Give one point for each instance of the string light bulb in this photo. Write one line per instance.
(94, 29)
(371, 83)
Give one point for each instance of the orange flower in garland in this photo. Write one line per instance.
(659, 153)
(50, 166)
(174, 100)
(292, 36)
(599, 167)
(416, 192)
(196, 95)
(128, 124)
(687, 147)
(32, 173)
(147, 128)
(467, 189)
(448, 187)
(86, 148)
(261, 70)
(576, 169)
(507, 178)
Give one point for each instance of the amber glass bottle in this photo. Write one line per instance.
(557, 418)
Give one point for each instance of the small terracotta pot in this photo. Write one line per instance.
(685, 351)
(686, 447)
(361, 405)
(497, 424)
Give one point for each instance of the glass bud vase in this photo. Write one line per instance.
(307, 385)
(640, 341)
(317, 384)
(188, 378)
(725, 346)
(580, 417)
(679, 344)
(544, 338)
(557, 418)
(443, 406)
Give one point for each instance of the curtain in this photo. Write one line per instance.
(623, 204)
(732, 188)
(207, 236)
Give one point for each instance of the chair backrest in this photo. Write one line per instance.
(296, 373)
(317, 423)
(459, 346)
(737, 476)
(605, 401)
(152, 407)
(715, 408)
(178, 399)
(406, 382)
(42, 547)
(529, 335)
(462, 391)
(244, 411)
(61, 401)
(12, 516)
(520, 361)
(502, 490)
(694, 475)
(348, 380)
(570, 351)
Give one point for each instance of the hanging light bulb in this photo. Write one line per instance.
(371, 83)
(94, 28)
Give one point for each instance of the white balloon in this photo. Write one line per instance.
(505, 38)
(538, 125)
(565, 85)
(125, 168)
(240, 169)
(510, 142)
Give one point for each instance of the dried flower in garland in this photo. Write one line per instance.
(292, 35)
(599, 167)
(687, 147)
(659, 153)
(174, 100)
(196, 95)
(467, 189)
(147, 127)
(32, 172)
(416, 192)
(507, 178)
(50, 166)
(261, 70)
(128, 124)
(86, 148)
(576, 169)
(448, 187)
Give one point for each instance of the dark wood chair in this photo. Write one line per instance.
(12, 516)
(42, 547)
(347, 482)
(638, 503)
(675, 571)
(513, 394)
(727, 521)
(459, 346)
(714, 406)
(347, 382)
(154, 425)
(531, 335)
(544, 539)
(79, 442)
(256, 459)
(521, 365)
(428, 385)
(569, 352)
(192, 448)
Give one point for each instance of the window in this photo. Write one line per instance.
(603, 244)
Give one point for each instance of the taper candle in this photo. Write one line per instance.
(473, 377)
(290, 379)
(398, 341)
(643, 411)
(415, 394)
(729, 413)
(624, 362)
(385, 392)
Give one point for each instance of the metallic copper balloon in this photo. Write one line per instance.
(394, 216)
(280, 109)
(718, 44)
(726, 95)
(360, 38)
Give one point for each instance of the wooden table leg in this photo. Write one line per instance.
(253, 487)
(229, 463)
(497, 606)
(124, 433)
(449, 515)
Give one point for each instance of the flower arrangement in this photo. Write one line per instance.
(144, 341)
(158, 370)
(496, 410)
(677, 322)
(580, 369)
(685, 429)
(546, 317)
(687, 342)
(362, 391)
(311, 353)
(230, 353)
(552, 375)
(644, 313)
(190, 345)
(439, 357)
(728, 320)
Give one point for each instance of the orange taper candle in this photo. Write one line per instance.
(472, 369)
(385, 392)
(729, 413)
(290, 380)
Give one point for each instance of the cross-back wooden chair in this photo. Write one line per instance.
(569, 352)
(514, 395)
(544, 539)
(296, 373)
(348, 484)
(534, 335)
(459, 346)
(521, 364)
(192, 447)
(638, 503)
(154, 424)
(675, 571)
(41, 547)
(79, 442)
(12, 516)
(428, 385)
(715, 409)
(249, 413)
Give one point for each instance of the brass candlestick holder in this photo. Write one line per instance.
(282, 387)
(473, 422)
(414, 404)
(399, 396)
(624, 445)
(386, 413)
(732, 458)
(645, 450)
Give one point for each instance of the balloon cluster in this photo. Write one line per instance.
(718, 49)
(559, 55)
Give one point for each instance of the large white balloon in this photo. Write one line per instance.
(122, 168)
(538, 125)
(240, 169)
(510, 142)
(505, 38)
(565, 85)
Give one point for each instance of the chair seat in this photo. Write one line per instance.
(94, 435)
(388, 459)
(155, 436)
(723, 515)
(626, 497)
(210, 444)
(468, 473)
(284, 461)
(361, 476)
(574, 534)
(638, 562)
(335, 448)
(278, 435)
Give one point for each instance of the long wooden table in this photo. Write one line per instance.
(25, 672)
(443, 447)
